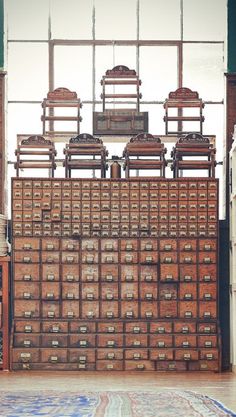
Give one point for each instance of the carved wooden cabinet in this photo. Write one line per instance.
(115, 274)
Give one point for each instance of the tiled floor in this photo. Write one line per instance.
(219, 386)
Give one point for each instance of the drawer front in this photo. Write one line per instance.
(188, 309)
(55, 327)
(185, 341)
(162, 354)
(70, 291)
(27, 326)
(26, 308)
(50, 244)
(50, 291)
(82, 340)
(25, 355)
(169, 273)
(107, 327)
(54, 356)
(109, 365)
(109, 309)
(89, 273)
(186, 354)
(82, 327)
(136, 327)
(185, 327)
(54, 341)
(161, 341)
(188, 273)
(70, 273)
(81, 356)
(188, 291)
(110, 354)
(129, 273)
(26, 257)
(149, 310)
(26, 290)
(50, 272)
(90, 291)
(148, 273)
(50, 309)
(168, 309)
(141, 365)
(90, 309)
(207, 309)
(136, 340)
(129, 309)
(26, 244)
(171, 366)
(24, 340)
(110, 340)
(129, 291)
(161, 327)
(207, 291)
(207, 272)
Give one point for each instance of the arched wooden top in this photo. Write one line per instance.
(36, 140)
(145, 137)
(62, 93)
(85, 138)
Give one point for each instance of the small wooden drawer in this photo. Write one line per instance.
(50, 257)
(50, 290)
(129, 309)
(26, 244)
(50, 272)
(25, 340)
(89, 273)
(168, 309)
(188, 273)
(109, 365)
(161, 341)
(168, 245)
(109, 245)
(110, 340)
(90, 291)
(188, 291)
(82, 340)
(207, 341)
(148, 273)
(136, 327)
(180, 366)
(168, 257)
(161, 327)
(26, 257)
(26, 290)
(208, 310)
(110, 328)
(185, 327)
(188, 309)
(136, 340)
(70, 309)
(90, 310)
(27, 272)
(70, 291)
(162, 354)
(186, 354)
(55, 327)
(20, 355)
(185, 341)
(109, 310)
(27, 326)
(149, 310)
(169, 273)
(82, 327)
(54, 340)
(26, 308)
(53, 356)
(81, 356)
(139, 365)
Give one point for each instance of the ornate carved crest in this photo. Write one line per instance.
(183, 94)
(62, 93)
(194, 138)
(120, 70)
(145, 137)
(36, 140)
(85, 138)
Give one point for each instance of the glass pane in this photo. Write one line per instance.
(160, 19)
(71, 19)
(115, 19)
(104, 60)
(27, 71)
(203, 67)
(73, 69)
(22, 119)
(161, 76)
(156, 124)
(205, 19)
(27, 19)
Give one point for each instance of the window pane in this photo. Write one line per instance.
(27, 19)
(71, 19)
(73, 69)
(156, 124)
(156, 20)
(158, 71)
(22, 119)
(205, 19)
(27, 71)
(203, 70)
(115, 19)
(103, 61)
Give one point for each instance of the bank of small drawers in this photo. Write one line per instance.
(121, 273)
(117, 345)
(115, 208)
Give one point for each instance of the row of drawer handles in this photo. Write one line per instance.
(128, 296)
(111, 329)
(110, 314)
(128, 278)
(111, 247)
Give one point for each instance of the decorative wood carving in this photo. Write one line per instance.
(36, 140)
(62, 93)
(194, 138)
(184, 94)
(145, 137)
(120, 70)
(85, 138)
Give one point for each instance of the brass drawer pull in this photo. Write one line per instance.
(109, 296)
(185, 344)
(50, 246)
(50, 295)
(27, 277)
(128, 258)
(70, 296)
(136, 343)
(188, 296)
(50, 277)
(129, 314)
(109, 246)
(161, 356)
(55, 328)
(109, 314)
(169, 277)
(109, 277)
(130, 296)
(137, 356)
(168, 296)
(90, 296)
(70, 278)
(27, 343)
(209, 356)
(55, 343)
(207, 314)
(51, 314)
(149, 259)
(161, 344)
(110, 343)
(188, 314)
(149, 296)
(83, 343)
(25, 357)
(26, 295)
(53, 359)
(185, 329)
(109, 259)
(28, 329)
(28, 314)
(136, 329)
(111, 355)
(207, 329)
(90, 314)
(82, 359)
(168, 260)
(148, 278)
(187, 278)
(207, 296)
(27, 259)
(161, 329)
(70, 259)
(110, 366)
(90, 259)
(187, 356)
(83, 329)
(208, 344)
(111, 329)
(27, 246)
(89, 278)
(207, 260)
(148, 314)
